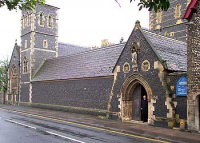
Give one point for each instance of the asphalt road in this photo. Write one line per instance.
(17, 128)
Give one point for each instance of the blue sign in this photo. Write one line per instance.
(181, 87)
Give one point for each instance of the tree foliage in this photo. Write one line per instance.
(20, 4)
(154, 4)
(3, 76)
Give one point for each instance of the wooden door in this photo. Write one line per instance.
(136, 107)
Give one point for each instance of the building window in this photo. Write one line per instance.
(25, 44)
(41, 19)
(50, 21)
(126, 67)
(145, 65)
(159, 17)
(27, 21)
(177, 11)
(171, 34)
(45, 44)
(25, 65)
(14, 77)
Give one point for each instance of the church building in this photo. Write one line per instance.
(110, 81)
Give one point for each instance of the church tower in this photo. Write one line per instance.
(39, 41)
(170, 23)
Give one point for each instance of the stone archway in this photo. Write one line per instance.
(126, 94)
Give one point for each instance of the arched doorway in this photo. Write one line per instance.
(132, 91)
(14, 83)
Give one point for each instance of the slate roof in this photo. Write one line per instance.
(92, 63)
(172, 51)
(65, 49)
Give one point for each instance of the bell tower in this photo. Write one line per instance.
(170, 23)
(39, 41)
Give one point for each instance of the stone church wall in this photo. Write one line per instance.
(24, 94)
(86, 93)
(170, 25)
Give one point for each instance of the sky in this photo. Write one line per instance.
(81, 22)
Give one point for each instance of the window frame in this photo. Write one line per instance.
(45, 46)
(25, 65)
(41, 16)
(50, 21)
(124, 66)
(159, 17)
(25, 44)
(177, 11)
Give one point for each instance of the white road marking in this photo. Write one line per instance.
(64, 137)
(49, 132)
(20, 124)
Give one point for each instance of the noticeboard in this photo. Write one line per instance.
(181, 87)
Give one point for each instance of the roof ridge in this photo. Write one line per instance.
(181, 42)
(88, 51)
(72, 44)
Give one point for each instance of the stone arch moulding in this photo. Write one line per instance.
(126, 94)
(129, 85)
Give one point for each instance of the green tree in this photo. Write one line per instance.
(3, 77)
(21, 4)
(154, 4)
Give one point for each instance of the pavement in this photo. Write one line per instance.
(111, 125)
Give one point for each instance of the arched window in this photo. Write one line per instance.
(25, 65)
(50, 21)
(25, 44)
(27, 21)
(177, 13)
(41, 19)
(14, 77)
(14, 71)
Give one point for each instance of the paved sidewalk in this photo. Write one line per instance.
(125, 127)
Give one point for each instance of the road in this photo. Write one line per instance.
(18, 128)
